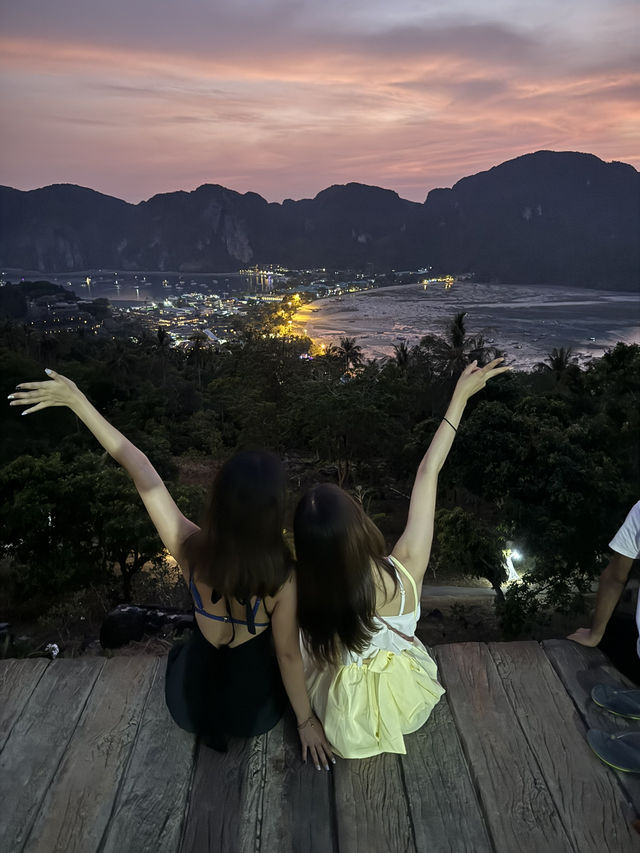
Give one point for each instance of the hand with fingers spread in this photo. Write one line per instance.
(57, 391)
(314, 741)
(474, 378)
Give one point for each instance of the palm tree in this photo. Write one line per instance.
(451, 355)
(401, 356)
(350, 352)
(558, 362)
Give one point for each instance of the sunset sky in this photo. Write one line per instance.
(286, 97)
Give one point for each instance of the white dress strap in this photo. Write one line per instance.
(398, 565)
(403, 594)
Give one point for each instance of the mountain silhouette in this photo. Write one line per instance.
(547, 217)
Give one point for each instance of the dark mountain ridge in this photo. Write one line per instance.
(547, 217)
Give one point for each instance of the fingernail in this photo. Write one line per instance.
(326, 766)
(48, 370)
(317, 767)
(24, 413)
(10, 397)
(333, 761)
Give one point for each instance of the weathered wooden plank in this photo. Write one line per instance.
(288, 804)
(444, 807)
(519, 810)
(38, 741)
(372, 810)
(215, 812)
(580, 669)
(149, 810)
(76, 810)
(18, 679)
(584, 792)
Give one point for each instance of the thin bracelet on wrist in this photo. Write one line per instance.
(308, 720)
(450, 424)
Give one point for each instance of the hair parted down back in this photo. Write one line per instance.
(240, 549)
(337, 550)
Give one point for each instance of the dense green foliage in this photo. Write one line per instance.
(548, 460)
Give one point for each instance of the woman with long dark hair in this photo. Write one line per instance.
(370, 680)
(232, 677)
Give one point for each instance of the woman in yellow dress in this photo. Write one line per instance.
(370, 680)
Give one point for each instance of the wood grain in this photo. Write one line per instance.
(519, 810)
(77, 808)
(372, 810)
(218, 792)
(92, 762)
(584, 792)
(580, 669)
(446, 813)
(18, 679)
(38, 741)
(288, 805)
(149, 810)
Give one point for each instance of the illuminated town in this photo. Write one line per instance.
(215, 318)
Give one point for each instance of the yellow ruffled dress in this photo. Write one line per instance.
(372, 700)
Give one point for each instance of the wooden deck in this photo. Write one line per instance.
(91, 761)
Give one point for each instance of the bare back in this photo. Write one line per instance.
(219, 632)
(388, 602)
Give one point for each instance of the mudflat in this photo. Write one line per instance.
(524, 321)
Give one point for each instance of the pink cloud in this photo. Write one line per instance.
(286, 98)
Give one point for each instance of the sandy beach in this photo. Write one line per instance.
(524, 321)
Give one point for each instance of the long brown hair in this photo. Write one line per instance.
(337, 546)
(240, 549)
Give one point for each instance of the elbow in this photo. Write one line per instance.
(614, 575)
(141, 470)
(289, 657)
(428, 469)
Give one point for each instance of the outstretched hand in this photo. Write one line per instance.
(473, 378)
(314, 741)
(57, 391)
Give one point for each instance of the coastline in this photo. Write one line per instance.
(525, 321)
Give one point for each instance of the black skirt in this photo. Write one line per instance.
(217, 692)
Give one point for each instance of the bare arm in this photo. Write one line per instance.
(414, 546)
(286, 637)
(171, 524)
(612, 581)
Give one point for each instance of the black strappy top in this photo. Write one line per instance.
(250, 621)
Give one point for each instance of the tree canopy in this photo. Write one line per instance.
(549, 460)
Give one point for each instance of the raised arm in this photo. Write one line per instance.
(414, 546)
(171, 524)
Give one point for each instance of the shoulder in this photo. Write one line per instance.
(404, 566)
(627, 539)
(285, 592)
